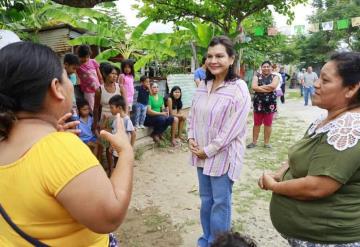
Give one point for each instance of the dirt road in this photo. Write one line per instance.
(165, 206)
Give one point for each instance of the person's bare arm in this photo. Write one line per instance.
(197, 82)
(101, 80)
(96, 201)
(97, 108)
(273, 85)
(256, 87)
(123, 90)
(151, 112)
(306, 188)
(133, 138)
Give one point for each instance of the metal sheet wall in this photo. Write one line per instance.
(187, 85)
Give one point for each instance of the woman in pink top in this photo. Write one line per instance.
(89, 74)
(216, 134)
(126, 79)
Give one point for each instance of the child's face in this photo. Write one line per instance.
(146, 83)
(84, 59)
(70, 69)
(115, 110)
(177, 94)
(84, 111)
(127, 69)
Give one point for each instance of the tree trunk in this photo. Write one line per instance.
(81, 3)
(194, 54)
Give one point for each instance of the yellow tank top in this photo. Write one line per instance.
(28, 188)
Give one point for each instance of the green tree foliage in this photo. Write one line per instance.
(316, 48)
(222, 14)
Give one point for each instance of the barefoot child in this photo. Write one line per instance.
(118, 106)
(86, 122)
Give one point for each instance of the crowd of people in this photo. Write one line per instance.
(68, 200)
(96, 85)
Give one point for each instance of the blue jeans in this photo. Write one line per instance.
(215, 211)
(308, 91)
(140, 114)
(159, 123)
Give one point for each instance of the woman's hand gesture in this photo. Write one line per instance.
(66, 124)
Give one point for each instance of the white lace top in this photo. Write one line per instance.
(342, 132)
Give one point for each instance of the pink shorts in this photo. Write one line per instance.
(263, 118)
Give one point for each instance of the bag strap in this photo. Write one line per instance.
(31, 240)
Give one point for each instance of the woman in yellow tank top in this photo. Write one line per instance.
(51, 185)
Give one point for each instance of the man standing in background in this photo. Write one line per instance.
(309, 79)
(200, 73)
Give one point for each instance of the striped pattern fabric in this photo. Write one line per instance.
(217, 122)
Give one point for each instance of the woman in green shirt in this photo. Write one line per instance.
(158, 117)
(316, 197)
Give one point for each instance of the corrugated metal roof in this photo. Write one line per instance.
(56, 39)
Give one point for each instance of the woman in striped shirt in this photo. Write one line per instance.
(216, 133)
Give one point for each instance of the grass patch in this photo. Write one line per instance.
(293, 95)
(285, 133)
(139, 152)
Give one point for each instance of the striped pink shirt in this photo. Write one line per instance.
(217, 122)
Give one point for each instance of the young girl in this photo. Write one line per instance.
(89, 74)
(126, 79)
(118, 106)
(86, 122)
(102, 114)
(174, 104)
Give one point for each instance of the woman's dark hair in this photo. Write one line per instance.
(229, 46)
(26, 72)
(348, 68)
(266, 62)
(176, 103)
(84, 51)
(106, 69)
(129, 63)
(143, 78)
(233, 239)
(203, 60)
(71, 59)
(118, 101)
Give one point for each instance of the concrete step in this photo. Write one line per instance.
(141, 133)
(144, 143)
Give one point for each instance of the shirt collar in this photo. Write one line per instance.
(210, 83)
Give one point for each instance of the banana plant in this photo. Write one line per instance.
(144, 47)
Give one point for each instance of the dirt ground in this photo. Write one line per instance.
(164, 210)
